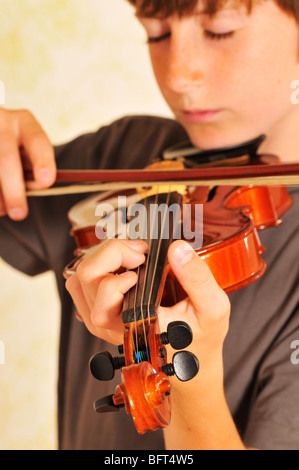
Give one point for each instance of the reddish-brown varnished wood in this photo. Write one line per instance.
(232, 217)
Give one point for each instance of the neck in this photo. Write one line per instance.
(161, 220)
(283, 139)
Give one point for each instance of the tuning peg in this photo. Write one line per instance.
(103, 366)
(179, 335)
(184, 365)
(106, 404)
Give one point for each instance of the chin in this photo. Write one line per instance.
(207, 138)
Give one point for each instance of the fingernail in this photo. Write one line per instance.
(183, 254)
(137, 245)
(44, 174)
(128, 274)
(79, 318)
(17, 213)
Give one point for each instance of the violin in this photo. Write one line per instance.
(222, 226)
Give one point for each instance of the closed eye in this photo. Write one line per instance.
(152, 40)
(218, 36)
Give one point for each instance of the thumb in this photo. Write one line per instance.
(197, 280)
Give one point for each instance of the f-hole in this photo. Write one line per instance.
(212, 193)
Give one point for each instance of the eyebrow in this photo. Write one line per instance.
(195, 12)
(161, 17)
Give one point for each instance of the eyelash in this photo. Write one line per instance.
(158, 39)
(219, 36)
(208, 34)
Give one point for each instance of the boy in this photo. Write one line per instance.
(225, 69)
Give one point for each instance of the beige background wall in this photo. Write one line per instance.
(76, 65)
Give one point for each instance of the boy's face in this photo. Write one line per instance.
(227, 78)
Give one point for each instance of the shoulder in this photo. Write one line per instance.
(128, 142)
(137, 140)
(146, 123)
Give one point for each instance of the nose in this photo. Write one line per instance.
(185, 68)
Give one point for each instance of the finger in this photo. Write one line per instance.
(78, 316)
(37, 149)
(20, 129)
(106, 309)
(73, 286)
(11, 179)
(2, 205)
(197, 280)
(106, 324)
(108, 258)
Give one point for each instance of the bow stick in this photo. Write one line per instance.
(102, 180)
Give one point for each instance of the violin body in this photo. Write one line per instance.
(228, 242)
(231, 220)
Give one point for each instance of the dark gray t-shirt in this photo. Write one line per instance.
(261, 382)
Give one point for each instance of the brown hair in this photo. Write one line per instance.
(167, 7)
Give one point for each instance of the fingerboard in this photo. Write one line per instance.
(160, 223)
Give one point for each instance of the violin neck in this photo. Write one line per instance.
(162, 216)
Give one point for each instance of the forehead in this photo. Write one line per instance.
(165, 8)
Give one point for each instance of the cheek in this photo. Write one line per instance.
(259, 83)
(158, 62)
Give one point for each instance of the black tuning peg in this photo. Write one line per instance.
(184, 365)
(179, 335)
(106, 404)
(103, 366)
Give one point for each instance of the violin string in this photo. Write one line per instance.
(135, 339)
(142, 297)
(158, 250)
(135, 315)
(137, 285)
(149, 239)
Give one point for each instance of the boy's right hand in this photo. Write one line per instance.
(23, 145)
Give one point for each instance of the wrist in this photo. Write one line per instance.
(201, 418)
(204, 422)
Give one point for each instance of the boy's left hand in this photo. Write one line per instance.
(98, 294)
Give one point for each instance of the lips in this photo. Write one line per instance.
(200, 115)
